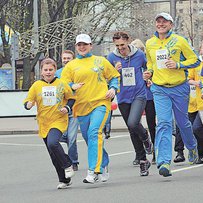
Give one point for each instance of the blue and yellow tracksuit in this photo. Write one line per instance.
(91, 106)
(171, 91)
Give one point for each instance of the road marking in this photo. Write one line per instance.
(186, 168)
(26, 145)
(110, 155)
(121, 153)
(23, 135)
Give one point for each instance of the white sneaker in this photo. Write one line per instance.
(91, 177)
(63, 185)
(69, 172)
(105, 175)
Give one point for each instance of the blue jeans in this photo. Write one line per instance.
(168, 100)
(132, 114)
(71, 136)
(59, 159)
(91, 127)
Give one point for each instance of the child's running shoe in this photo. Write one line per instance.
(64, 185)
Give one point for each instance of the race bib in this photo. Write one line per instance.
(193, 91)
(161, 58)
(49, 95)
(128, 76)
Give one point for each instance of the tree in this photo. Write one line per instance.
(93, 17)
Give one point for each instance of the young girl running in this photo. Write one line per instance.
(50, 95)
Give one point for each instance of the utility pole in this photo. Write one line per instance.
(36, 38)
(173, 8)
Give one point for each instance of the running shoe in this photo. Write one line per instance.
(91, 177)
(193, 156)
(105, 175)
(179, 158)
(164, 170)
(144, 166)
(63, 185)
(69, 172)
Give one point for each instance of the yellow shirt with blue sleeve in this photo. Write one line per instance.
(49, 99)
(178, 49)
(94, 72)
(195, 74)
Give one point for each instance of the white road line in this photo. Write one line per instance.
(186, 168)
(120, 153)
(25, 145)
(21, 135)
(110, 155)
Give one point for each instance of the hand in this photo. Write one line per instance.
(63, 110)
(197, 83)
(30, 104)
(111, 93)
(118, 65)
(77, 85)
(149, 83)
(171, 64)
(147, 75)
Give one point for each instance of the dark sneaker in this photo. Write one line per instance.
(107, 135)
(164, 170)
(193, 156)
(144, 166)
(75, 166)
(179, 158)
(148, 146)
(200, 160)
(136, 162)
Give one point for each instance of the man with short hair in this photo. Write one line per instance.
(70, 136)
(168, 58)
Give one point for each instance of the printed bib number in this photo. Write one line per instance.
(49, 95)
(193, 91)
(161, 58)
(128, 76)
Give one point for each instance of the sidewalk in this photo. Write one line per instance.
(28, 125)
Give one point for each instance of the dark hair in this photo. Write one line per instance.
(68, 52)
(121, 35)
(48, 61)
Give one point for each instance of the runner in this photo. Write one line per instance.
(92, 74)
(130, 62)
(168, 58)
(50, 95)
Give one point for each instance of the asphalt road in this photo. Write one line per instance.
(27, 176)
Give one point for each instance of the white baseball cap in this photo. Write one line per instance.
(165, 16)
(83, 38)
